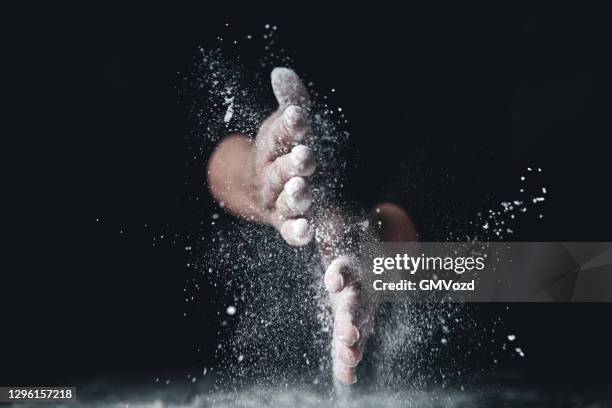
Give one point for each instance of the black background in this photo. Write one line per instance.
(451, 102)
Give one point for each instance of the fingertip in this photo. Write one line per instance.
(346, 375)
(338, 274)
(298, 196)
(303, 160)
(279, 73)
(334, 282)
(295, 123)
(295, 116)
(350, 339)
(295, 187)
(344, 330)
(288, 88)
(349, 356)
(297, 232)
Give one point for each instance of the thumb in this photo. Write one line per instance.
(288, 88)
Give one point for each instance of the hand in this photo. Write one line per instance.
(281, 164)
(353, 317)
(265, 180)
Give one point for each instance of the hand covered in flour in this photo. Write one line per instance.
(353, 319)
(353, 316)
(266, 179)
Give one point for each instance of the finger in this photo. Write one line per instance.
(288, 88)
(303, 160)
(345, 305)
(340, 273)
(349, 356)
(296, 232)
(299, 162)
(346, 375)
(344, 330)
(281, 131)
(295, 199)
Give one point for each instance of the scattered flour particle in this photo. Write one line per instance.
(229, 113)
(522, 178)
(519, 351)
(511, 337)
(364, 225)
(486, 226)
(240, 358)
(231, 310)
